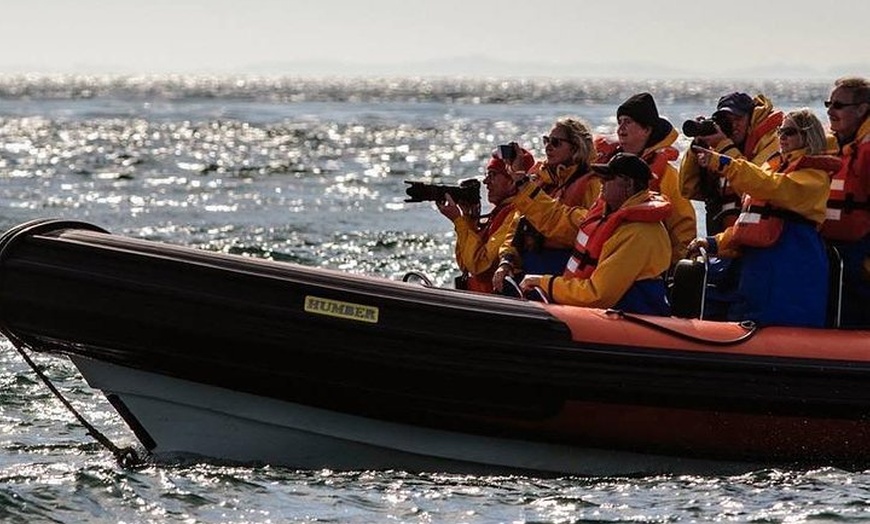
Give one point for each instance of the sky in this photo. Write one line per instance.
(514, 37)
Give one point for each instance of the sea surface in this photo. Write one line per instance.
(312, 171)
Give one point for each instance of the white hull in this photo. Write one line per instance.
(189, 419)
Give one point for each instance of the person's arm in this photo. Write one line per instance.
(556, 221)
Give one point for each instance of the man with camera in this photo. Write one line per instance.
(478, 238)
(741, 127)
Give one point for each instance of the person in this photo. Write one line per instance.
(478, 238)
(847, 227)
(784, 276)
(742, 127)
(621, 248)
(542, 240)
(641, 131)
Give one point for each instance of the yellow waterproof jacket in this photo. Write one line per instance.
(477, 251)
(550, 216)
(635, 251)
(804, 191)
(761, 146)
(681, 224)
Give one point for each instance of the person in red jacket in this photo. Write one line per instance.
(847, 221)
(479, 238)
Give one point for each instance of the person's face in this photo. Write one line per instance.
(499, 186)
(632, 136)
(844, 114)
(739, 127)
(790, 136)
(616, 191)
(558, 147)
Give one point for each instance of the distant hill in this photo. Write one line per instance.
(482, 66)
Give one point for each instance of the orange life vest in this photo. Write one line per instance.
(571, 192)
(598, 227)
(483, 281)
(658, 161)
(760, 224)
(848, 215)
(768, 125)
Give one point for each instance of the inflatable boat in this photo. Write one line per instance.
(240, 360)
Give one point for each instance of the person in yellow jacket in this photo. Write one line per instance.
(621, 249)
(478, 239)
(784, 275)
(742, 127)
(643, 132)
(537, 244)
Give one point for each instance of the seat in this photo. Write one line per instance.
(688, 287)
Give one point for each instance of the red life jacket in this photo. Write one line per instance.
(483, 281)
(848, 215)
(760, 224)
(597, 228)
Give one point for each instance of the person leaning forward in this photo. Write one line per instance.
(743, 127)
(622, 247)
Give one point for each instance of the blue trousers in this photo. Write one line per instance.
(785, 284)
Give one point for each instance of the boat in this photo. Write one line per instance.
(218, 357)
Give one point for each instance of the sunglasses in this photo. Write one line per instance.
(554, 140)
(787, 131)
(836, 104)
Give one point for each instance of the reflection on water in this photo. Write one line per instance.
(311, 171)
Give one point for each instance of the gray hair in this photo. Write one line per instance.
(857, 85)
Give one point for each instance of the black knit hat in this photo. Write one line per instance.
(641, 108)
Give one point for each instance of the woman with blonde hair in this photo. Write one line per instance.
(784, 276)
(553, 197)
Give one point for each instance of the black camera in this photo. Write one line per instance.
(507, 152)
(706, 126)
(467, 192)
(700, 127)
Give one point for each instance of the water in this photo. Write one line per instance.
(311, 171)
